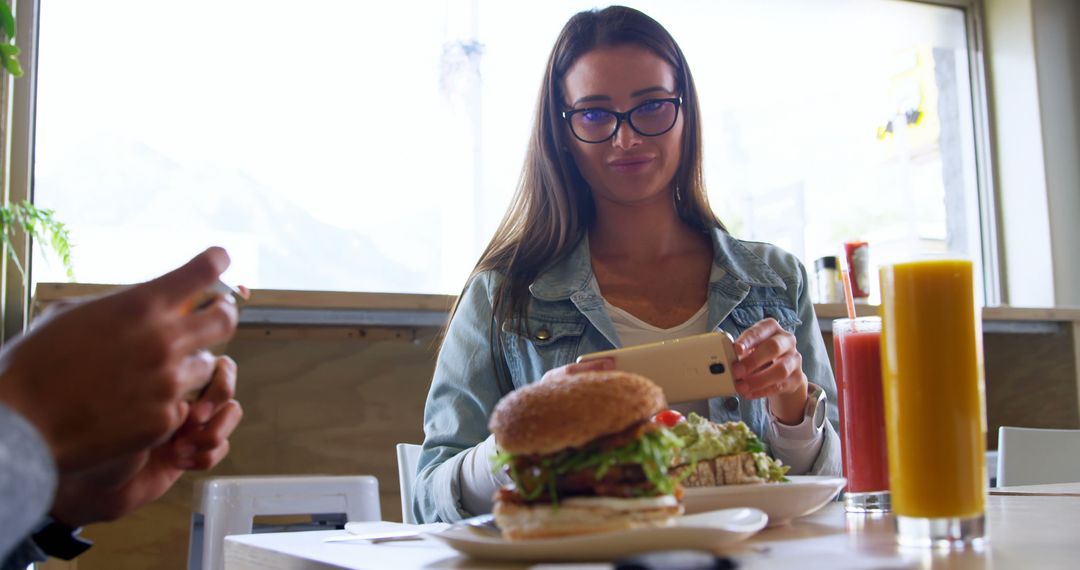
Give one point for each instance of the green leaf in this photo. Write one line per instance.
(41, 225)
(500, 460)
(7, 20)
(9, 57)
(6, 239)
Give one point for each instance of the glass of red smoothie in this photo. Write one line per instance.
(857, 352)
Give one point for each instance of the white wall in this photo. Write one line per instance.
(1057, 53)
(1033, 64)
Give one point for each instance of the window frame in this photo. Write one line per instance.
(17, 154)
(20, 111)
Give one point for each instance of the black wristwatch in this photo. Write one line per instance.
(59, 540)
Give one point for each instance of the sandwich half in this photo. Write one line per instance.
(715, 454)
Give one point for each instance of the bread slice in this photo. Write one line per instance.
(739, 469)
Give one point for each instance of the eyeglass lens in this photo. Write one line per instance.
(649, 119)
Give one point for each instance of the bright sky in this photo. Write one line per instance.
(336, 104)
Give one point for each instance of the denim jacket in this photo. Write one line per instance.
(566, 319)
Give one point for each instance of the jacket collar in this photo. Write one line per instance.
(573, 273)
(569, 275)
(732, 256)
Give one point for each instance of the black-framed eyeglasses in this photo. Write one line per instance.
(650, 119)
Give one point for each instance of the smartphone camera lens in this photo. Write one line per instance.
(716, 368)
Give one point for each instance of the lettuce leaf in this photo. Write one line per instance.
(654, 451)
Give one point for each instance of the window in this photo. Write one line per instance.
(340, 145)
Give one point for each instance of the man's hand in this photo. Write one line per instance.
(115, 488)
(105, 378)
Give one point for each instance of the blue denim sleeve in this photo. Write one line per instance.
(818, 370)
(463, 394)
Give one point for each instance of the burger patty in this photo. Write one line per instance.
(621, 481)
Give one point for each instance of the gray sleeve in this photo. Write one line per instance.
(798, 446)
(478, 482)
(22, 556)
(27, 480)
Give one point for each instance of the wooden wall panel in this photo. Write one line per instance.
(335, 401)
(315, 402)
(1031, 381)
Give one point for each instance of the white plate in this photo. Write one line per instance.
(781, 501)
(705, 531)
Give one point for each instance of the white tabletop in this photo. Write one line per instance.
(1047, 489)
(1026, 531)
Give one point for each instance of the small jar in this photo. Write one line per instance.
(829, 285)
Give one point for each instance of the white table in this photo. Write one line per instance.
(1026, 531)
(1045, 490)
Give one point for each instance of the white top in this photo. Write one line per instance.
(633, 331)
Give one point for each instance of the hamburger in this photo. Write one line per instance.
(584, 456)
(715, 454)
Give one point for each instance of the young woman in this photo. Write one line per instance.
(610, 242)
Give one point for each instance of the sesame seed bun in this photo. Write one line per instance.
(570, 411)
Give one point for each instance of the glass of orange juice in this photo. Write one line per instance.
(935, 422)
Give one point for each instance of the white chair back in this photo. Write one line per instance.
(407, 456)
(1029, 456)
(229, 505)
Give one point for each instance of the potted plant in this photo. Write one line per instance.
(38, 223)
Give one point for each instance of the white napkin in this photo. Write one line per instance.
(388, 526)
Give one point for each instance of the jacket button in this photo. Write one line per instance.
(731, 404)
(543, 334)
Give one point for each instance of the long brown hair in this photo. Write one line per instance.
(553, 207)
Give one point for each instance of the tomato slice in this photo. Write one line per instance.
(668, 418)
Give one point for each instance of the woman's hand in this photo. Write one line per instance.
(770, 366)
(579, 367)
(112, 489)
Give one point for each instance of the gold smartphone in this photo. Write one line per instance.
(200, 302)
(204, 299)
(687, 369)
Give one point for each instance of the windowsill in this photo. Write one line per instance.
(275, 307)
(995, 319)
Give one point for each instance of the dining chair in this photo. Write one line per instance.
(407, 455)
(1030, 456)
(225, 506)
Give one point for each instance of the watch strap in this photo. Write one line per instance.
(815, 404)
(60, 541)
